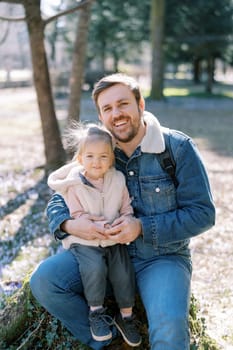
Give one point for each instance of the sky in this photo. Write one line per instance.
(47, 6)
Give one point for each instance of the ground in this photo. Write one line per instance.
(25, 239)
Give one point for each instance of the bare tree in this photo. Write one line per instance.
(79, 55)
(157, 38)
(54, 151)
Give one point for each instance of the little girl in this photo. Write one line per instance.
(91, 185)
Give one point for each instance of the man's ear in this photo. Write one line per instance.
(141, 104)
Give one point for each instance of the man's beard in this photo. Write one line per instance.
(126, 137)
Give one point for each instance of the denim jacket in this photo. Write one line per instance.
(170, 215)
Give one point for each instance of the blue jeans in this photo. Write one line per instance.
(163, 283)
(164, 287)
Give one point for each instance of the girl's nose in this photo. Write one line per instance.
(96, 161)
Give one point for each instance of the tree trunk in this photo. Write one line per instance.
(54, 152)
(196, 70)
(210, 74)
(157, 38)
(13, 318)
(79, 55)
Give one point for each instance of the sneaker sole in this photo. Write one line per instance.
(124, 337)
(101, 338)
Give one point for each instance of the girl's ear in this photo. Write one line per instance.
(113, 161)
(79, 158)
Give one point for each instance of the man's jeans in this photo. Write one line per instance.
(163, 282)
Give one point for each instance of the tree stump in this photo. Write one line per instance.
(25, 325)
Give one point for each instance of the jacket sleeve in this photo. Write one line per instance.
(57, 212)
(195, 212)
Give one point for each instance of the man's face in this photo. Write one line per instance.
(119, 112)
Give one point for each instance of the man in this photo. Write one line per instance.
(166, 217)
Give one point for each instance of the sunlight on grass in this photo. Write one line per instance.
(173, 91)
(193, 91)
(227, 93)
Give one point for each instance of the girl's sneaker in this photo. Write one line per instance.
(100, 325)
(127, 326)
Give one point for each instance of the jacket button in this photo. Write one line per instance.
(157, 189)
(131, 173)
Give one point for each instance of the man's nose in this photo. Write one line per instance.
(116, 111)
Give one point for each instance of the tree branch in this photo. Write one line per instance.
(48, 20)
(12, 19)
(66, 12)
(20, 2)
(4, 36)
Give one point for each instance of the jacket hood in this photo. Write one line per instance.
(66, 176)
(153, 141)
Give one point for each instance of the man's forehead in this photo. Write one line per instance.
(115, 93)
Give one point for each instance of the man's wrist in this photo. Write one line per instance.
(62, 233)
(64, 226)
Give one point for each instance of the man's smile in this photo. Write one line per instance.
(121, 122)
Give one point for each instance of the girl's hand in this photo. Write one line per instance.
(124, 229)
(86, 227)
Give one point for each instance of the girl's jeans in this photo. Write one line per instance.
(163, 283)
(98, 265)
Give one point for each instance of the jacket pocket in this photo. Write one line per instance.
(158, 195)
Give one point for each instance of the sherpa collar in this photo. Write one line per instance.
(153, 141)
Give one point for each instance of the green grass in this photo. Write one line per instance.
(189, 92)
(188, 89)
(208, 118)
(175, 91)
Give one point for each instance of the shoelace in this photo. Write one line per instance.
(98, 317)
(132, 324)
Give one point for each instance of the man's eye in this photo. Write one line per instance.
(124, 104)
(106, 109)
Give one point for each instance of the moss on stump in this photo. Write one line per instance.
(26, 325)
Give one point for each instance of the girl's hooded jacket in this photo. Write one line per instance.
(111, 202)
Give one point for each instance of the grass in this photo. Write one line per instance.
(206, 117)
(186, 88)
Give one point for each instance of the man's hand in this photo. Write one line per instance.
(86, 226)
(124, 229)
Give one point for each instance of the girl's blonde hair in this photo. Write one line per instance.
(79, 134)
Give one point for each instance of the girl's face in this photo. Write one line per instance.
(96, 157)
